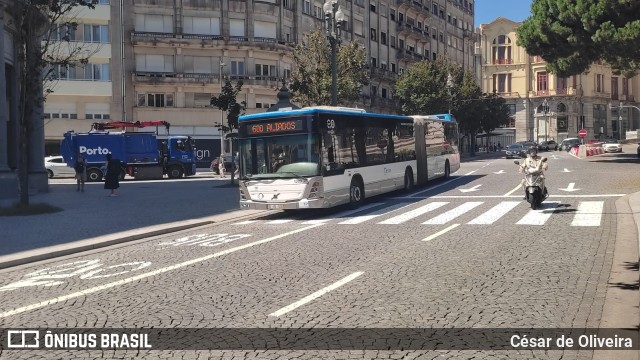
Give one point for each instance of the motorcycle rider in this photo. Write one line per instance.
(533, 161)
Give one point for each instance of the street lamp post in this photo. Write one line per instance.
(545, 108)
(333, 19)
(449, 86)
(222, 65)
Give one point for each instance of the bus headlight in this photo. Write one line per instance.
(314, 190)
(242, 195)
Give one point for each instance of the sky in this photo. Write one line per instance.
(489, 10)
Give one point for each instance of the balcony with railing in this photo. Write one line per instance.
(384, 74)
(200, 78)
(417, 5)
(502, 61)
(142, 37)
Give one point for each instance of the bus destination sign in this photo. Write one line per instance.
(275, 127)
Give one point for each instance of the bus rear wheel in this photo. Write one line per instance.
(356, 193)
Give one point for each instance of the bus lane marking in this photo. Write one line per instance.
(316, 294)
(131, 279)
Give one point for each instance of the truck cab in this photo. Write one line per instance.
(178, 156)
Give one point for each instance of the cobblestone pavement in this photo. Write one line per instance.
(436, 258)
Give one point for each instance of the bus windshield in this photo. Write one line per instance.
(290, 156)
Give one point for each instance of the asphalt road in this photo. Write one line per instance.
(463, 253)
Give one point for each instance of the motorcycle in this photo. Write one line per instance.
(534, 184)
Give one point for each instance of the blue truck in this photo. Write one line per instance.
(141, 154)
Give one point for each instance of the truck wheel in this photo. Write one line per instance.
(175, 172)
(94, 174)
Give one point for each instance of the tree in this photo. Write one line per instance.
(43, 30)
(422, 89)
(311, 77)
(570, 35)
(227, 103)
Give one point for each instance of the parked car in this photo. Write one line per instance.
(56, 167)
(515, 151)
(548, 145)
(611, 145)
(568, 143)
(228, 165)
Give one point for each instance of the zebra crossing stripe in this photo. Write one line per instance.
(353, 211)
(379, 212)
(317, 221)
(540, 216)
(283, 221)
(494, 213)
(246, 222)
(413, 213)
(453, 213)
(589, 213)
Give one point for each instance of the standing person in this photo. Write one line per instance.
(112, 179)
(81, 172)
(221, 168)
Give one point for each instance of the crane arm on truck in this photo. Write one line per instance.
(123, 125)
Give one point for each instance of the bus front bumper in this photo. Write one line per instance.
(290, 205)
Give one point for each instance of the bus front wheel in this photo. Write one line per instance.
(356, 193)
(447, 170)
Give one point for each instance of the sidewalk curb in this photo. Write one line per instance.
(51, 252)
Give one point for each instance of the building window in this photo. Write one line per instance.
(383, 38)
(501, 50)
(374, 34)
(372, 7)
(96, 33)
(155, 100)
(542, 82)
(599, 83)
(614, 88)
(434, 9)
(502, 83)
(306, 8)
(393, 67)
(384, 93)
(374, 91)
(237, 68)
(265, 71)
(393, 41)
(561, 86)
(625, 86)
(374, 62)
(392, 14)
(64, 33)
(97, 72)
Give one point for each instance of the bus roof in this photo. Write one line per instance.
(320, 110)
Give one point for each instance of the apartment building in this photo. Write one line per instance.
(545, 106)
(170, 56)
(82, 94)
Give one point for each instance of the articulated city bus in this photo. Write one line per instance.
(326, 156)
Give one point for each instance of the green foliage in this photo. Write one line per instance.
(227, 102)
(422, 89)
(311, 78)
(572, 34)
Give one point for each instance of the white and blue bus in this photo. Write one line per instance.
(326, 156)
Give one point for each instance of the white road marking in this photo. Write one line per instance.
(316, 294)
(439, 185)
(353, 211)
(514, 190)
(516, 196)
(145, 275)
(413, 213)
(375, 214)
(246, 222)
(495, 213)
(539, 216)
(589, 213)
(570, 188)
(433, 236)
(453, 213)
(317, 221)
(282, 221)
(566, 170)
(475, 188)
